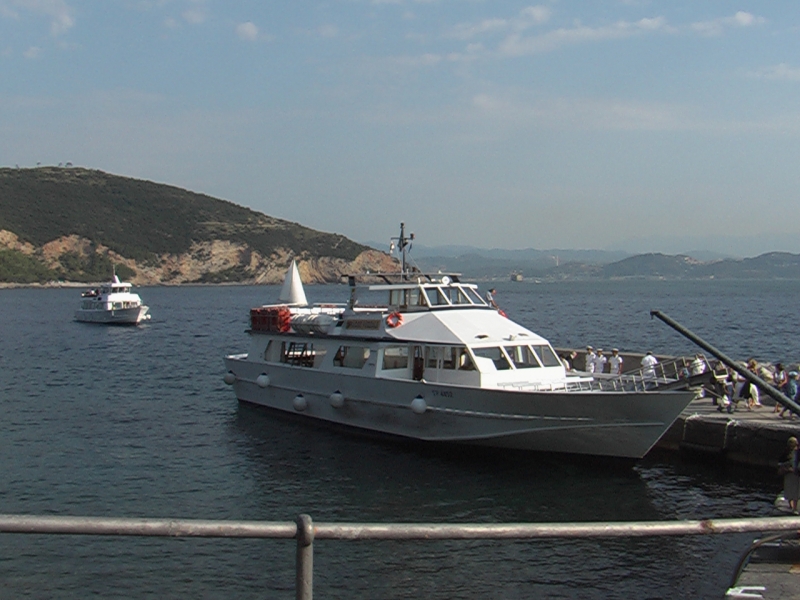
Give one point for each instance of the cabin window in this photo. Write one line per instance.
(464, 360)
(351, 357)
(299, 354)
(436, 297)
(446, 357)
(433, 355)
(456, 295)
(494, 354)
(405, 297)
(474, 296)
(395, 357)
(547, 356)
(522, 357)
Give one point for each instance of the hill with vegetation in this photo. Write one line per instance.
(73, 224)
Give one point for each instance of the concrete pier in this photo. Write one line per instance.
(756, 437)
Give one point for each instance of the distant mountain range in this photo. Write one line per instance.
(583, 264)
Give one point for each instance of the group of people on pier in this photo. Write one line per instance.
(731, 388)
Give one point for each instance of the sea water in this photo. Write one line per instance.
(136, 422)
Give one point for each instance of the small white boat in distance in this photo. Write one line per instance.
(424, 357)
(112, 303)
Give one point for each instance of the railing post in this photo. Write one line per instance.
(304, 579)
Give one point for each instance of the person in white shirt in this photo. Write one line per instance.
(600, 361)
(490, 298)
(590, 357)
(649, 363)
(698, 365)
(615, 362)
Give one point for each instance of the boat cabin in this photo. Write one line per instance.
(439, 330)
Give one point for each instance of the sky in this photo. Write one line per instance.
(646, 126)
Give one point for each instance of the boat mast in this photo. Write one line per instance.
(403, 242)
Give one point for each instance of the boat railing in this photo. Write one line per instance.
(305, 531)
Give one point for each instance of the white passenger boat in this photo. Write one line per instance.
(431, 361)
(112, 303)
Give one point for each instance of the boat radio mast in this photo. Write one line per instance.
(403, 243)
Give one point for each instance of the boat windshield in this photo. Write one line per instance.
(429, 295)
(519, 356)
(547, 355)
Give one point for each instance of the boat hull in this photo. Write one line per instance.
(616, 424)
(122, 316)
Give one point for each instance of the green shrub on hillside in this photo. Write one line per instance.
(16, 267)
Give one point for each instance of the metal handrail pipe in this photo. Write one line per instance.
(146, 527)
(422, 531)
(307, 530)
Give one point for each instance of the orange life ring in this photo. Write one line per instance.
(394, 319)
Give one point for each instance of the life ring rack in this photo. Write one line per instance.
(394, 319)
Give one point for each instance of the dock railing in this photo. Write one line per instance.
(305, 531)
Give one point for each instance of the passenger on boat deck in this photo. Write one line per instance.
(649, 363)
(490, 298)
(698, 365)
(615, 362)
(590, 356)
(568, 360)
(600, 361)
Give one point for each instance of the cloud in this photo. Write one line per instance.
(195, 15)
(527, 18)
(32, 52)
(519, 45)
(328, 31)
(718, 26)
(582, 113)
(247, 31)
(57, 11)
(511, 111)
(781, 72)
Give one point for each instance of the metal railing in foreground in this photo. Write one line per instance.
(305, 531)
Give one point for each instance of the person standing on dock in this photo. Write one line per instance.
(788, 467)
(790, 391)
(779, 379)
(615, 362)
(749, 391)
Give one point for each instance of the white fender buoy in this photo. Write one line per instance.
(299, 403)
(229, 378)
(337, 399)
(262, 380)
(418, 405)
